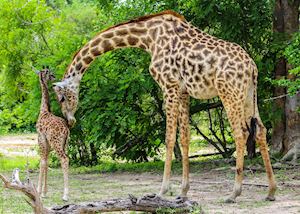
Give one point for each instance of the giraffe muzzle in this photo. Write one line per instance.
(70, 119)
(71, 122)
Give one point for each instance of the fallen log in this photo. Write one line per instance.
(149, 203)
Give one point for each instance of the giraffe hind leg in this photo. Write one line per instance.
(64, 160)
(236, 116)
(262, 142)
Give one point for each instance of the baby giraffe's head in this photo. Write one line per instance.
(45, 74)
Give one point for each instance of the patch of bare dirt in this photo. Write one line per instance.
(18, 145)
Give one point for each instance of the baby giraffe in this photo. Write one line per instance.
(53, 133)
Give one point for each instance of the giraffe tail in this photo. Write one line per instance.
(251, 138)
(253, 122)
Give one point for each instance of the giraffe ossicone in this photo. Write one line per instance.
(184, 62)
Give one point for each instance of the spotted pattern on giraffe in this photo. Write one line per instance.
(185, 61)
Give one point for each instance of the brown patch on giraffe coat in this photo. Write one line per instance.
(200, 68)
(107, 35)
(138, 31)
(147, 41)
(87, 60)
(192, 33)
(248, 73)
(239, 171)
(206, 52)
(119, 42)
(205, 81)
(198, 47)
(152, 23)
(78, 58)
(153, 33)
(95, 51)
(121, 32)
(132, 40)
(84, 51)
(78, 66)
(96, 42)
(212, 61)
(174, 42)
(223, 61)
(153, 72)
(106, 45)
(240, 66)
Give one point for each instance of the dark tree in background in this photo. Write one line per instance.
(286, 129)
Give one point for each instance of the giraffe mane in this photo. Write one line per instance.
(146, 17)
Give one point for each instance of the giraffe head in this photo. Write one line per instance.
(46, 74)
(67, 96)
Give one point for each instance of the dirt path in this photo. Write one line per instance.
(18, 145)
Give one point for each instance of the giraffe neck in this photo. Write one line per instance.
(141, 34)
(45, 103)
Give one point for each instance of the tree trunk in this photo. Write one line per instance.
(280, 72)
(292, 126)
(286, 133)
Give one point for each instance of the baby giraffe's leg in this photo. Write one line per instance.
(65, 168)
(43, 154)
(41, 175)
(45, 169)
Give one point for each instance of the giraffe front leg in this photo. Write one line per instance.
(171, 104)
(45, 163)
(41, 174)
(43, 154)
(184, 140)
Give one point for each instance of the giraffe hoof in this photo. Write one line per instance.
(151, 195)
(229, 200)
(270, 198)
(181, 199)
(65, 198)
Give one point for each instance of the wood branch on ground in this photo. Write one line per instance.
(28, 189)
(149, 203)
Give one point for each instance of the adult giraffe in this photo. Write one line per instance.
(185, 62)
